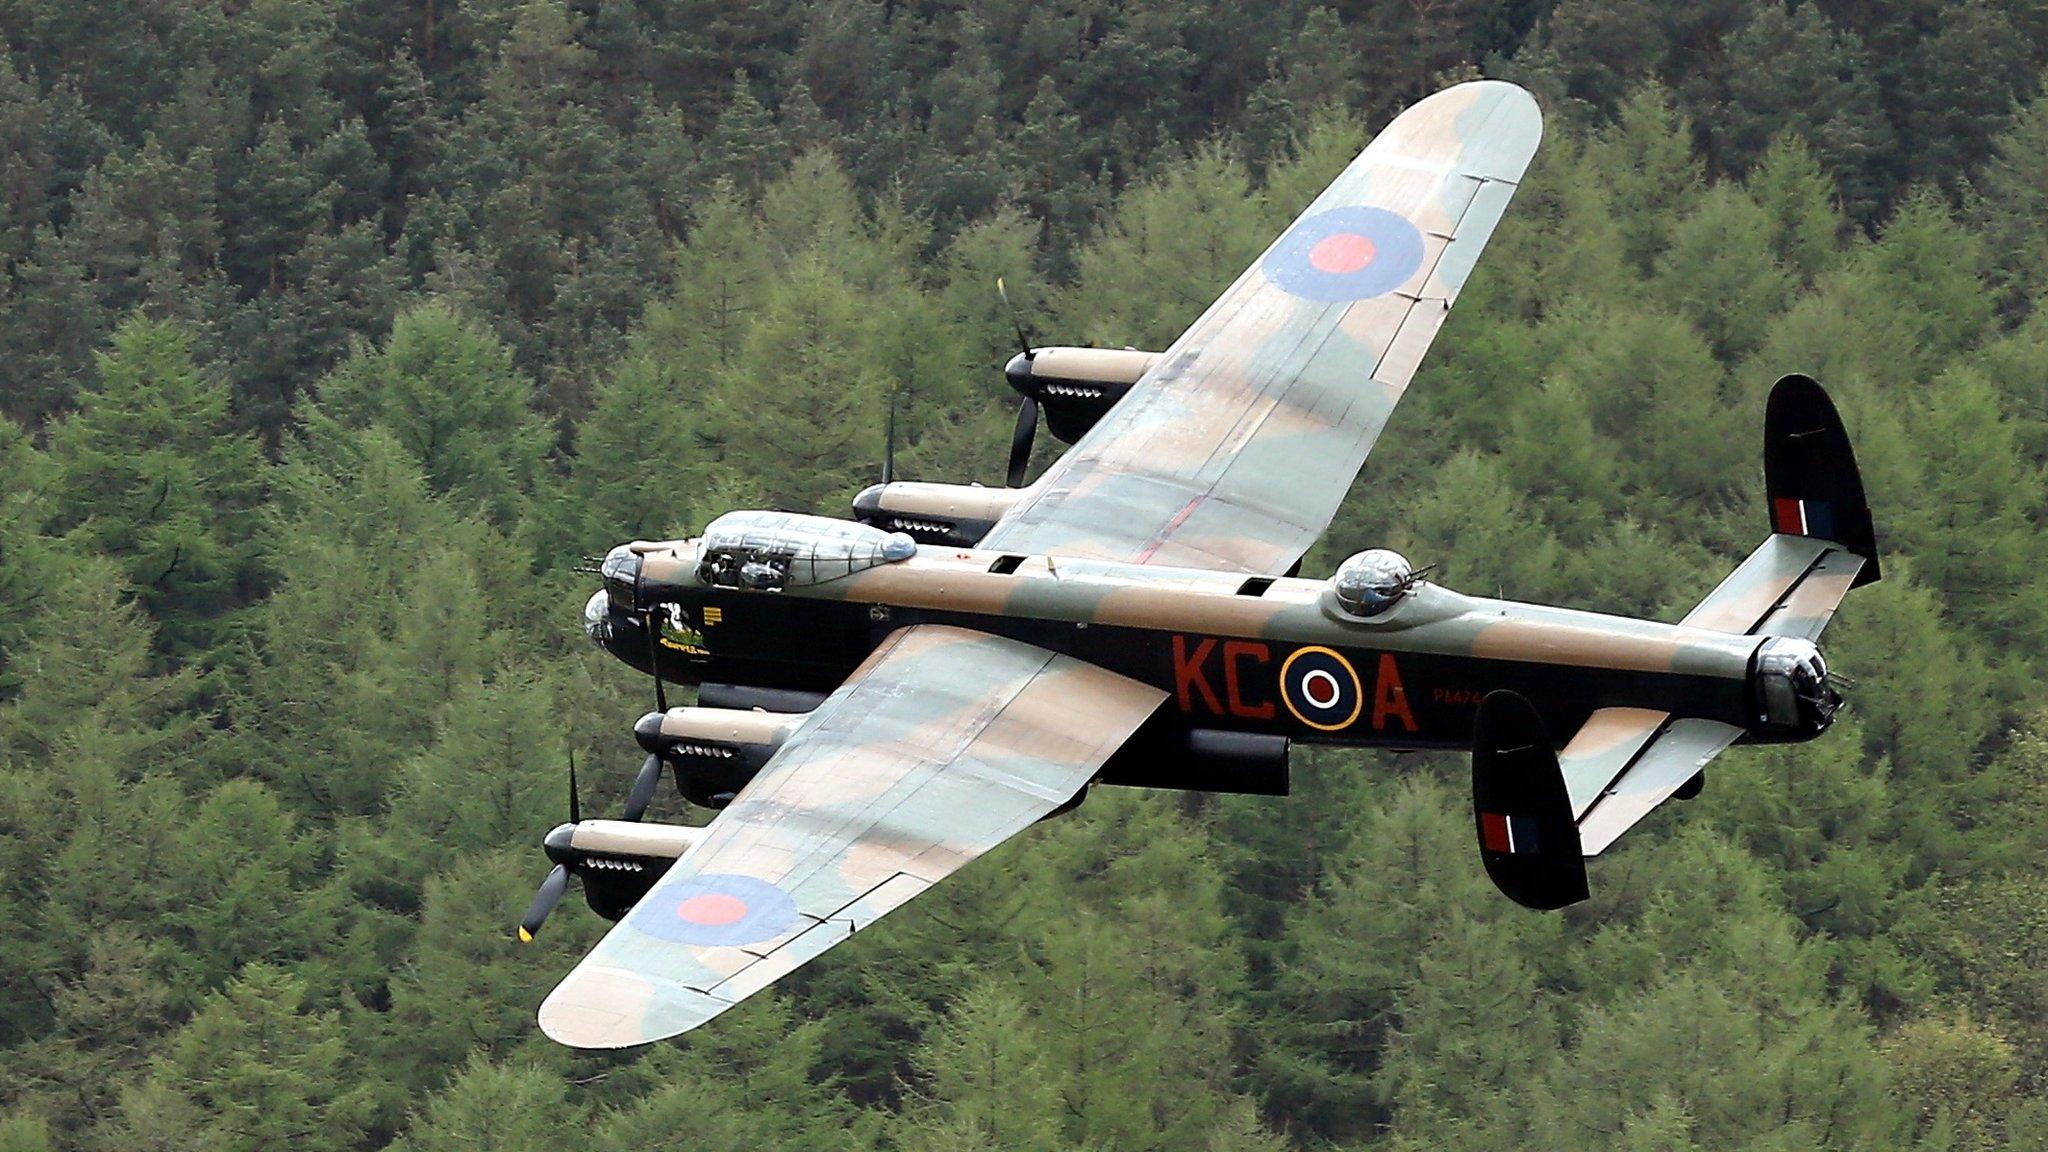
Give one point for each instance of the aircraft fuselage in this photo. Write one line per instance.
(1262, 655)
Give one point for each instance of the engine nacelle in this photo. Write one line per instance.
(1075, 387)
(747, 698)
(949, 515)
(713, 751)
(619, 861)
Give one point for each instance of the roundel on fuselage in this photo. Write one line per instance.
(1321, 689)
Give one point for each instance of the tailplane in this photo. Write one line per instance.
(1541, 814)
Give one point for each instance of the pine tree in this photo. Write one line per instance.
(255, 1069)
(449, 392)
(494, 1108)
(151, 472)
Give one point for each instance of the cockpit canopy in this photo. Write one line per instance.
(769, 551)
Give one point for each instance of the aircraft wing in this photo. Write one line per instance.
(945, 743)
(1234, 450)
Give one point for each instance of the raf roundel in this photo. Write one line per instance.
(718, 910)
(1321, 688)
(1344, 254)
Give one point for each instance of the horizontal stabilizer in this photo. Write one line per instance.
(1626, 761)
(1789, 586)
(1527, 839)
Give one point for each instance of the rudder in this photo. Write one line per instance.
(1521, 811)
(1810, 473)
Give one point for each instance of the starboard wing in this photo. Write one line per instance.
(1234, 450)
(945, 743)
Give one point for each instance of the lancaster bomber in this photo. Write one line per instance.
(882, 699)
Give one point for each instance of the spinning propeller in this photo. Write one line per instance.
(889, 442)
(557, 842)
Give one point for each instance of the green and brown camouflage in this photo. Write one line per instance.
(941, 746)
(1236, 447)
(1450, 649)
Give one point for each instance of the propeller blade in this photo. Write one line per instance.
(1016, 320)
(544, 902)
(1020, 441)
(654, 661)
(575, 807)
(643, 789)
(889, 442)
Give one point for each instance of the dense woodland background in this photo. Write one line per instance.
(336, 330)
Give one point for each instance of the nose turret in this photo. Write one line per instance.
(597, 618)
(621, 572)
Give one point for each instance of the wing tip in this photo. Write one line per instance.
(597, 1008)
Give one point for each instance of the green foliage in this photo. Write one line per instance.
(448, 391)
(156, 478)
(255, 1068)
(494, 1108)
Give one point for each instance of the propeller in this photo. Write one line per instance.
(654, 659)
(889, 442)
(544, 901)
(643, 789)
(1016, 318)
(1020, 442)
(557, 883)
(1027, 412)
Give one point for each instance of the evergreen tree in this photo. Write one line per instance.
(151, 472)
(449, 392)
(496, 1109)
(254, 1069)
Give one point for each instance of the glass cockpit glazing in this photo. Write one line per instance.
(770, 551)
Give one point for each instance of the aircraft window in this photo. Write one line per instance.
(770, 551)
(1005, 565)
(1256, 586)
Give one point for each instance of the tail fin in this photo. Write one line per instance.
(1821, 544)
(1527, 838)
(1810, 473)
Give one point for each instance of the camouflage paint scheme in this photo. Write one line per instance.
(1219, 646)
(942, 745)
(985, 687)
(1234, 450)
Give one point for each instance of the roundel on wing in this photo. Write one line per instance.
(1352, 253)
(1321, 688)
(717, 910)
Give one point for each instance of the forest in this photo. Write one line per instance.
(336, 333)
